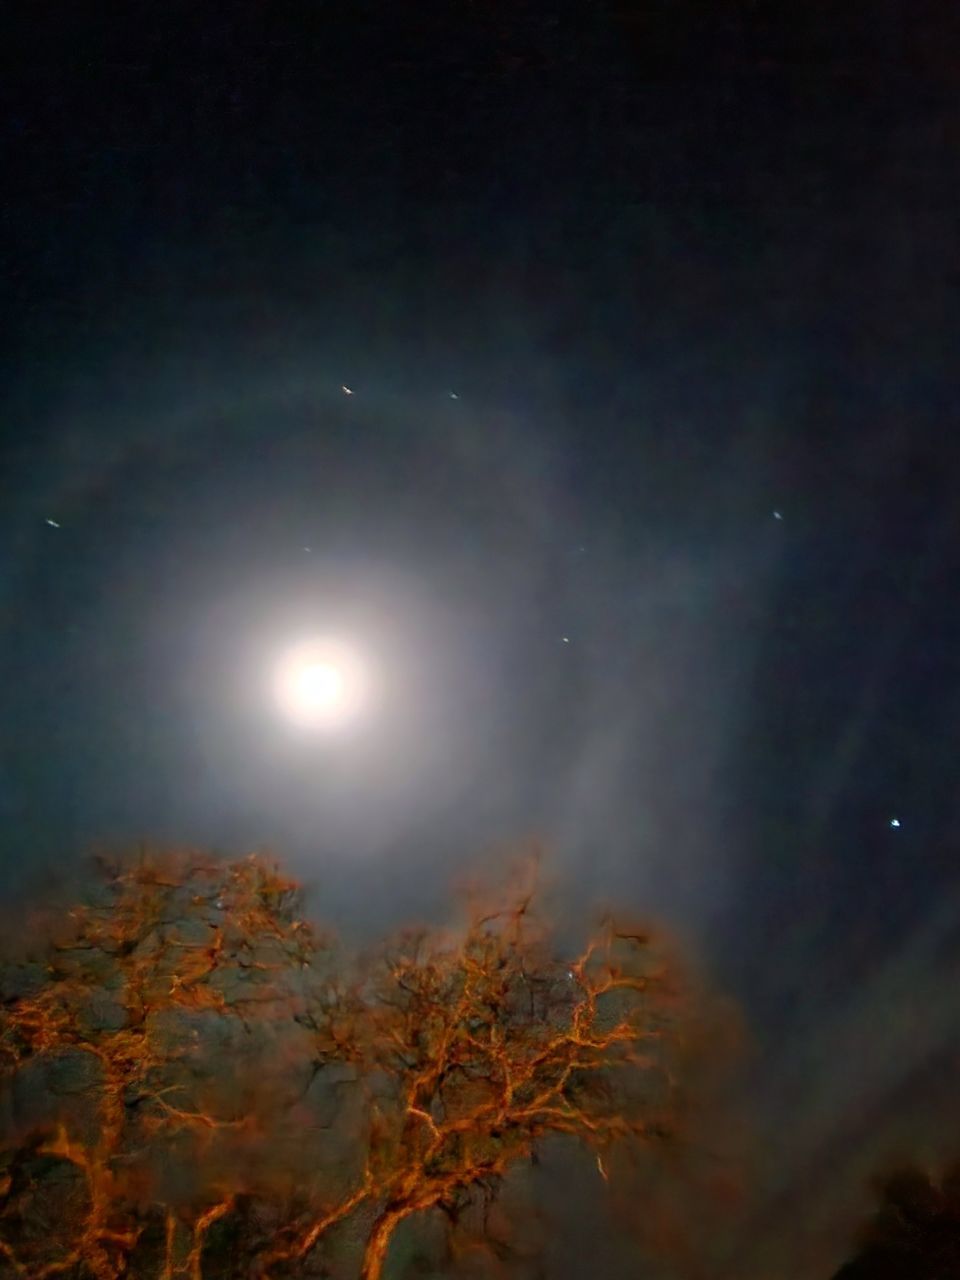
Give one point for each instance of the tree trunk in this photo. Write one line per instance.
(378, 1241)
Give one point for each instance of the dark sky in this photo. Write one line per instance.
(650, 316)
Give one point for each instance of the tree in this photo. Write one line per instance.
(121, 1020)
(234, 1091)
(915, 1232)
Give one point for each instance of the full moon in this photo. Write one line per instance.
(321, 684)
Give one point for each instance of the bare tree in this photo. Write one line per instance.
(128, 1023)
(229, 1094)
(475, 1046)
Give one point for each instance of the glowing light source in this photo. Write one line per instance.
(321, 684)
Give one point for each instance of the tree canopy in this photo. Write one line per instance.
(198, 1082)
(914, 1233)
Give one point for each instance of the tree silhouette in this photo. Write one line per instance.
(915, 1232)
(199, 1084)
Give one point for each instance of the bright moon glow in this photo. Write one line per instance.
(321, 685)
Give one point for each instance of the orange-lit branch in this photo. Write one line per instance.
(214, 1037)
(487, 1044)
(159, 945)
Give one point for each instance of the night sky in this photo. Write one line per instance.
(593, 367)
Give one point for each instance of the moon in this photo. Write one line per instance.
(321, 684)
